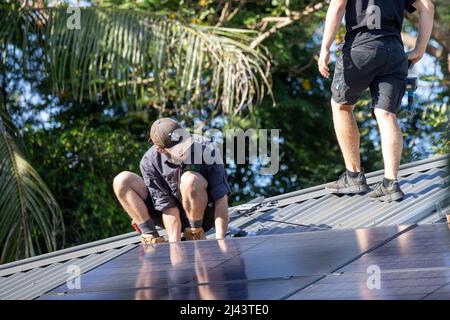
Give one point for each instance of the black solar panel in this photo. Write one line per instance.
(442, 293)
(266, 267)
(415, 265)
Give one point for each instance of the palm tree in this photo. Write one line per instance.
(111, 54)
(29, 214)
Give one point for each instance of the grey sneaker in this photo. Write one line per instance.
(389, 194)
(348, 185)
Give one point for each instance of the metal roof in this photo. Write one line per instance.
(425, 184)
(312, 209)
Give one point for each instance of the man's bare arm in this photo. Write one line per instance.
(426, 18)
(335, 13)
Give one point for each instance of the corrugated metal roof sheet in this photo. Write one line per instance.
(425, 184)
(312, 209)
(29, 285)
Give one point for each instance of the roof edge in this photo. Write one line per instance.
(69, 253)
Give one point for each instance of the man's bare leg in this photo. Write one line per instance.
(347, 133)
(193, 194)
(131, 191)
(221, 217)
(391, 142)
(194, 200)
(392, 146)
(172, 224)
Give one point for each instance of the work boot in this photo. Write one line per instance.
(148, 239)
(390, 193)
(348, 185)
(194, 234)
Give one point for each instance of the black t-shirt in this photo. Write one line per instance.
(367, 20)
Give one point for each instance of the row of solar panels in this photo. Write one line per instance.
(313, 209)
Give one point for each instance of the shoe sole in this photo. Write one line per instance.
(389, 197)
(350, 190)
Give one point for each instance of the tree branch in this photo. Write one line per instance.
(283, 22)
(226, 15)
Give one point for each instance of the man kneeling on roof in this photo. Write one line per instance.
(183, 187)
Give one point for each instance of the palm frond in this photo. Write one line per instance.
(119, 54)
(29, 215)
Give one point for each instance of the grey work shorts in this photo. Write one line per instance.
(380, 65)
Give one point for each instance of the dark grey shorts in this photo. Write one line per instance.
(208, 216)
(380, 65)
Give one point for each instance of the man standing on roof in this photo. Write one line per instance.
(183, 188)
(372, 57)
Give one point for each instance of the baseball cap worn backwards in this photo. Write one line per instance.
(169, 135)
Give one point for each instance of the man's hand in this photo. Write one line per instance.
(335, 13)
(415, 56)
(426, 18)
(324, 60)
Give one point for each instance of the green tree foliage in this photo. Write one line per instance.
(30, 214)
(109, 56)
(83, 144)
(79, 160)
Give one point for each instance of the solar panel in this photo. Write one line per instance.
(263, 267)
(415, 265)
(442, 293)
